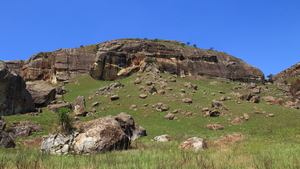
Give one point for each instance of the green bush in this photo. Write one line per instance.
(64, 120)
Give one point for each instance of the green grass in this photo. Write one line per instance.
(266, 141)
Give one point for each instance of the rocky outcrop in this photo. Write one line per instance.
(14, 98)
(42, 93)
(116, 59)
(98, 136)
(119, 58)
(5, 140)
(55, 66)
(290, 73)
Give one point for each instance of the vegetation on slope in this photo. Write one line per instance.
(266, 143)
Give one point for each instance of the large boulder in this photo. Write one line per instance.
(193, 143)
(42, 93)
(78, 106)
(97, 136)
(14, 97)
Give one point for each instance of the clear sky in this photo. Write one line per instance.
(263, 33)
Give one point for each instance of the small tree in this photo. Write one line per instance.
(194, 45)
(64, 119)
(188, 43)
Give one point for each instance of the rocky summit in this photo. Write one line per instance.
(117, 59)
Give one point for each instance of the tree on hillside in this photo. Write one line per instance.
(188, 43)
(194, 45)
(65, 120)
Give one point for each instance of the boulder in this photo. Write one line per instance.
(161, 107)
(114, 97)
(215, 127)
(162, 138)
(255, 99)
(97, 136)
(246, 97)
(161, 92)
(191, 85)
(143, 96)
(24, 129)
(78, 106)
(5, 140)
(187, 100)
(193, 143)
(218, 105)
(117, 85)
(237, 121)
(42, 93)
(169, 116)
(14, 97)
(151, 90)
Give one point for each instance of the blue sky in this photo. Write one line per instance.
(265, 34)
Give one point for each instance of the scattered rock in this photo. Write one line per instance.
(161, 92)
(255, 99)
(114, 97)
(191, 85)
(187, 100)
(237, 121)
(162, 138)
(218, 105)
(143, 96)
(137, 81)
(270, 115)
(169, 116)
(161, 107)
(78, 106)
(110, 86)
(193, 143)
(95, 104)
(215, 127)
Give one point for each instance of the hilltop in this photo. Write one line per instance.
(120, 58)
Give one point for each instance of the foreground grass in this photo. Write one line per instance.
(267, 142)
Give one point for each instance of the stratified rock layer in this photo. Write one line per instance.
(116, 59)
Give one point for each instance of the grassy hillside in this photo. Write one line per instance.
(266, 142)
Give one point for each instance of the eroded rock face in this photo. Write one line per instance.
(98, 136)
(289, 73)
(119, 58)
(55, 66)
(14, 98)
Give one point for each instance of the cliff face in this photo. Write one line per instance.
(59, 65)
(291, 73)
(120, 58)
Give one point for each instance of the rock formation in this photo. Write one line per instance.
(98, 136)
(55, 66)
(42, 93)
(14, 98)
(120, 58)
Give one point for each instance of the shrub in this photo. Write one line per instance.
(64, 119)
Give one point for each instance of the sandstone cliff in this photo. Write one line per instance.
(289, 74)
(120, 58)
